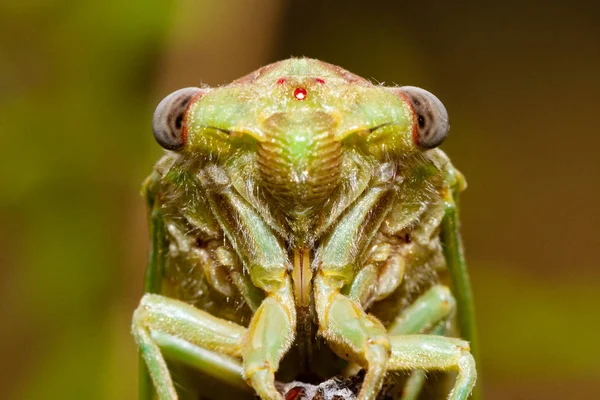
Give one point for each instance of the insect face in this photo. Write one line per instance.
(297, 202)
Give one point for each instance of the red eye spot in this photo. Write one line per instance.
(300, 93)
(319, 80)
(280, 81)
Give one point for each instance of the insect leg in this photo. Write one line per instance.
(190, 335)
(363, 285)
(376, 282)
(350, 332)
(431, 352)
(271, 330)
(428, 313)
(429, 309)
(454, 254)
(155, 269)
(416, 380)
(270, 335)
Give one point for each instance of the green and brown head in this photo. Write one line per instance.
(298, 118)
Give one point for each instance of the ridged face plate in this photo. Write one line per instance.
(300, 159)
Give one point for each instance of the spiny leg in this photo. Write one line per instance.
(431, 352)
(351, 333)
(453, 252)
(221, 366)
(422, 352)
(185, 331)
(155, 269)
(416, 380)
(214, 346)
(164, 232)
(272, 328)
(269, 337)
(428, 313)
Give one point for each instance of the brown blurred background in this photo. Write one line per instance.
(78, 85)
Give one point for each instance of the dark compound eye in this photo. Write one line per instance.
(169, 117)
(431, 116)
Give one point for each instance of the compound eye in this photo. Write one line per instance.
(432, 125)
(168, 122)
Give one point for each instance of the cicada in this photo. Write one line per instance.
(303, 225)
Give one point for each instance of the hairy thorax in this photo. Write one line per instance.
(203, 268)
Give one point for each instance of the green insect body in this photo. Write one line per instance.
(302, 211)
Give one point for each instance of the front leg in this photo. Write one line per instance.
(272, 328)
(361, 338)
(350, 332)
(270, 335)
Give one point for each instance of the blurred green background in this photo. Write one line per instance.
(78, 85)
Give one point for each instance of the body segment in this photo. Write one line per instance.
(300, 204)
